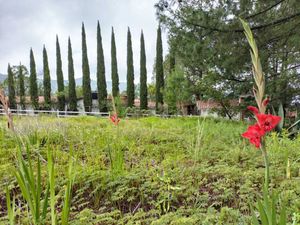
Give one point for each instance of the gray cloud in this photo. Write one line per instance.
(32, 23)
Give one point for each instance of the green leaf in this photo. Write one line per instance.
(273, 209)
(10, 208)
(52, 185)
(38, 191)
(67, 200)
(262, 213)
(254, 218)
(281, 114)
(45, 205)
(282, 220)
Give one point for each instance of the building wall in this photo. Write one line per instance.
(95, 106)
(208, 112)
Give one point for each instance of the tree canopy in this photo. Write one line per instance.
(72, 84)
(211, 45)
(47, 80)
(60, 78)
(11, 88)
(159, 71)
(86, 80)
(130, 72)
(143, 75)
(177, 91)
(33, 87)
(114, 66)
(101, 80)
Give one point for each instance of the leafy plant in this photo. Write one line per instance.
(281, 114)
(68, 193)
(267, 209)
(116, 157)
(296, 218)
(293, 130)
(118, 107)
(167, 193)
(10, 208)
(31, 185)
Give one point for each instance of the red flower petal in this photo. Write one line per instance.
(253, 109)
(114, 119)
(267, 121)
(254, 134)
(266, 101)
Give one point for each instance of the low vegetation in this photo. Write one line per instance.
(145, 171)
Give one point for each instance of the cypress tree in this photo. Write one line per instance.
(130, 72)
(172, 61)
(101, 81)
(159, 71)
(47, 80)
(86, 80)
(114, 66)
(22, 87)
(72, 84)
(143, 76)
(60, 79)
(11, 88)
(33, 83)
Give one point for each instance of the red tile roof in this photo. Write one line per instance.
(212, 104)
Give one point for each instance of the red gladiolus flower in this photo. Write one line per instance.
(114, 118)
(254, 134)
(253, 109)
(267, 121)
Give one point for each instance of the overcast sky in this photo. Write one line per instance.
(33, 23)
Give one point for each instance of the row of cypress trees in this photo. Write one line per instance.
(86, 86)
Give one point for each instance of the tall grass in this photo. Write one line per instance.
(10, 208)
(198, 151)
(68, 192)
(51, 182)
(31, 186)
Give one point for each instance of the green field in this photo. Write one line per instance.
(150, 170)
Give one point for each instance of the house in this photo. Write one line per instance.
(28, 104)
(123, 101)
(189, 109)
(151, 104)
(185, 108)
(209, 107)
(95, 105)
(41, 103)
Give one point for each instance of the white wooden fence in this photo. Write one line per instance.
(27, 112)
(20, 112)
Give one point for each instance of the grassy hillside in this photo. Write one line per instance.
(151, 170)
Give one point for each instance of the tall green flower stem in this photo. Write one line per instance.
(265, 207)
(116, 154)
(267, 167)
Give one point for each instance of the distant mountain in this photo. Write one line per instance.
(2, 77)
(78, 82)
